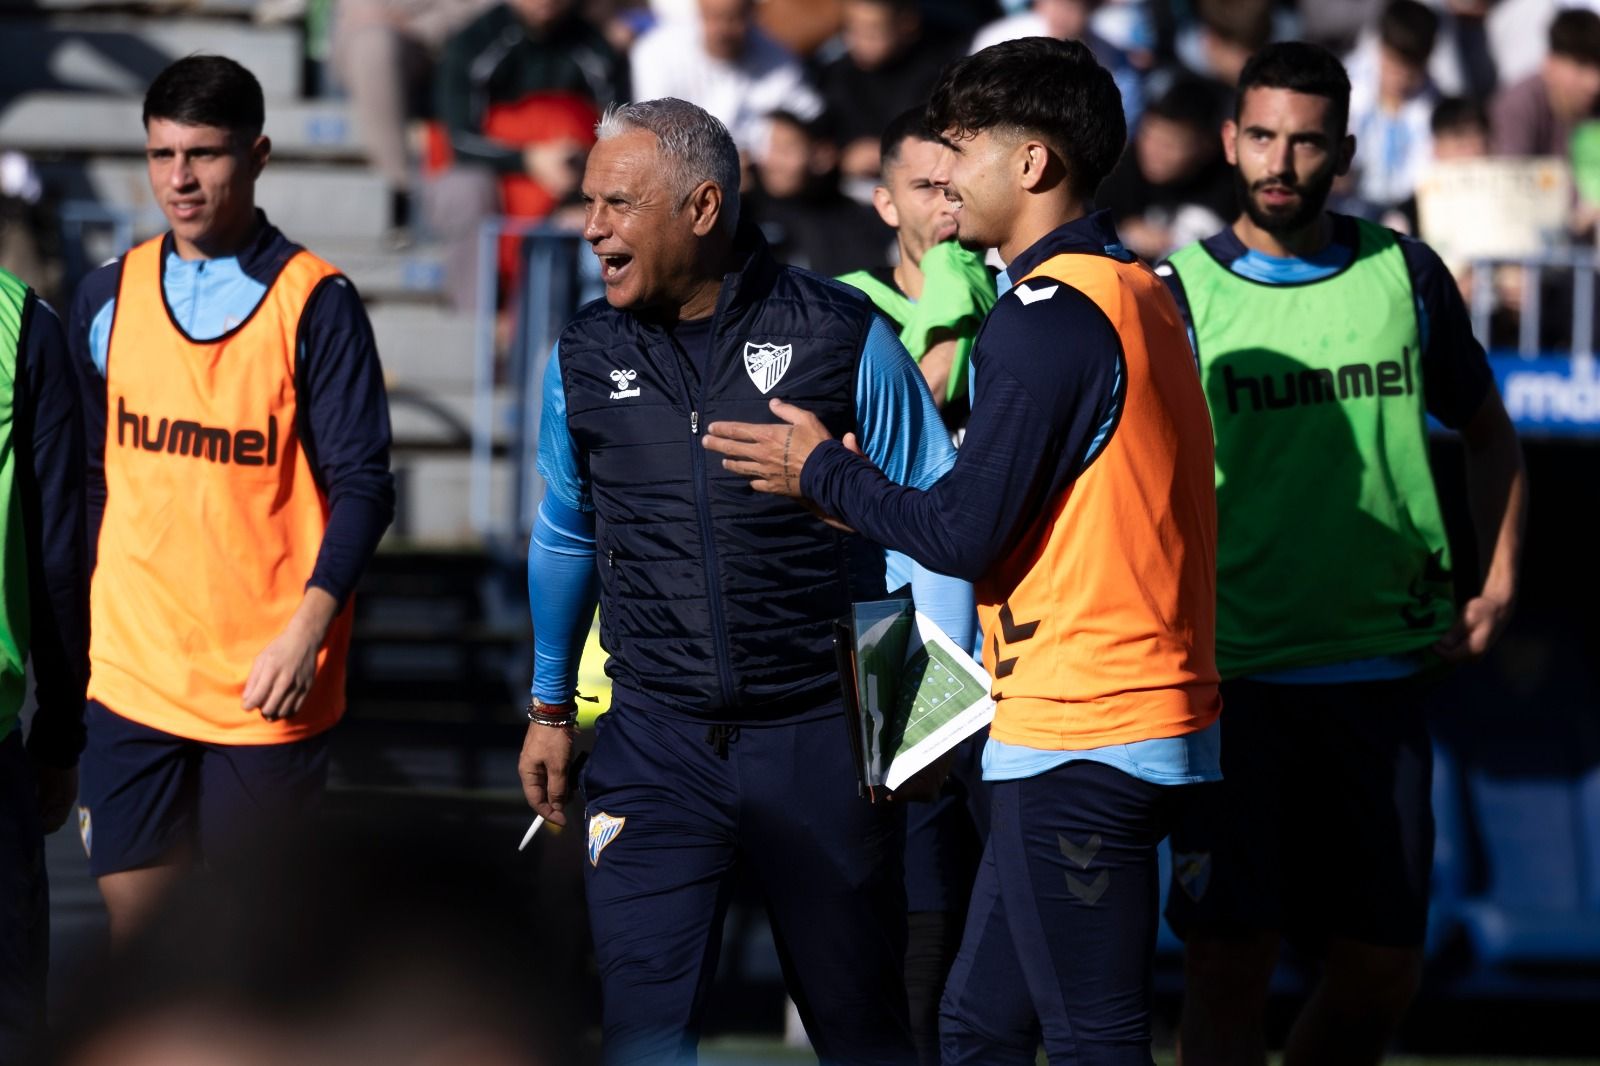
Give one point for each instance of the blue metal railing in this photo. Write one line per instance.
(1530, 326)
(553, 284)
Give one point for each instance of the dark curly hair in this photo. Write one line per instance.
(1038, 85)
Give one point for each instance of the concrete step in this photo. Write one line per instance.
(439, 419)
(381, 274)
(102, 124)
(433, 494)
(311, 202)
(424, 347)
(416, 273)
(123, 53)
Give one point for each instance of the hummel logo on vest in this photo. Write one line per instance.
(624, 378)
(767, 363)
(245, 447)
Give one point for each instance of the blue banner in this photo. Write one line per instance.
(1550, 395)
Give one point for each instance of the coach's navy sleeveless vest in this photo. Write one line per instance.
(718, 601)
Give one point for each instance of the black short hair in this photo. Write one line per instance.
(1302, 68)
(816, 129)
(909, 125)
(1409, 29)
(1043, 86)
(1575, 34)
(205, 90)
(1458, 114)
(1242, 22)
(1189, 102)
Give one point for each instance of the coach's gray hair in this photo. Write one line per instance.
(695, 146)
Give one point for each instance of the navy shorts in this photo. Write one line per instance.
(146, 795)
(1322, 824)
(674, 810)
(24, 906)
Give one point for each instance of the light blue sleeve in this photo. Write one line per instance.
(100, 335)
(558, 452)
(563, 589)
(900, 431)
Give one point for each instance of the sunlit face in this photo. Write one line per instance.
(1471, 142)
(725, 25)
(909, 201)
(1170, 151)
(636, 224)
(203, 178)
(785, 166)
(873, 32)
(1573, 85)
(1285, 156)
(975, 173)
(1398, 77)
(1065, 20)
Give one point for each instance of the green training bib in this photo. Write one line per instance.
(1330, 544)
(957, 291)
(13, 544)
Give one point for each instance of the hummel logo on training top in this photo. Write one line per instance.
(182, 436)
(624, 378)
(1033, 296)
(767, 363)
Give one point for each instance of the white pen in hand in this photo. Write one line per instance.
(577, 766)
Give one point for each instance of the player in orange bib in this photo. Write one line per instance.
(239, 482)
(1082, 508)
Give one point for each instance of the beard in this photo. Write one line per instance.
(1313, 194)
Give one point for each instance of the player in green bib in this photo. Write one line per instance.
(938, 293)
(43, 606)
(1324, 343)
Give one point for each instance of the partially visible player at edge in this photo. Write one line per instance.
(1081, 505)
(1324, 342)
(238, 450)
(43, 628)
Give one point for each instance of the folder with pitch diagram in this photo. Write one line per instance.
(911, 694)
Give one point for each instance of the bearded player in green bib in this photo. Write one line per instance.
(1324, 342)
(937, 294)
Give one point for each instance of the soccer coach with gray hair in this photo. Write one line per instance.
(725, 746)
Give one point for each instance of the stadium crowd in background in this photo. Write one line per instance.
(474, 109)
(824, 83)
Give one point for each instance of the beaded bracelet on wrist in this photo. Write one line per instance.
(565, 718)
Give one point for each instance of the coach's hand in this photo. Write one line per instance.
(282, 674)
(771, 456)
(1477, 628)
(546, 757)
(57, 790)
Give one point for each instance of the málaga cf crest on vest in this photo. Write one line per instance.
(767, 363)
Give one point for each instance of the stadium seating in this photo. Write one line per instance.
(70, 95)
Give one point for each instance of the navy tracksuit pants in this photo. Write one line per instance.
(24, 906)
(1062, 927)
(674, 811)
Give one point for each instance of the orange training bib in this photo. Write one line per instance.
(213, 519)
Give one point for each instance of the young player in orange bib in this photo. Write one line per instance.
(239, 482)
(1081, 507)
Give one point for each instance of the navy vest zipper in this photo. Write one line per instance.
(719, 625)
